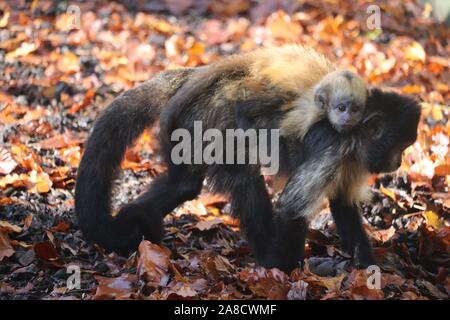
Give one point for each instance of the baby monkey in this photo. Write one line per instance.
(342, 95)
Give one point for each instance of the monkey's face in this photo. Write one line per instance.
(342, 95)
(388, 128)
(345, 113)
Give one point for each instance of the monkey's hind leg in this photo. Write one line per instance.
(350, 229)
(165, 193)
(250, 202)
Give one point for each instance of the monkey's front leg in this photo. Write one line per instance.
(300, 200)
(350, 229)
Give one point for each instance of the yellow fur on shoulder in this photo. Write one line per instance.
(293, 67)
(303, 115)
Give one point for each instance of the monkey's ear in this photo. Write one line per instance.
(320, 98)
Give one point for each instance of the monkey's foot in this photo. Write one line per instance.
(148, 224)
(363, 257)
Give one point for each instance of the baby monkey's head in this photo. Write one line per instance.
(342, 95)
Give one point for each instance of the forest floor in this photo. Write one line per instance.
(55, 80)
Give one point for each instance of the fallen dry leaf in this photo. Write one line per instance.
(115, 288)
(153, 263)
(7, 227)
(45, 250)
(359, 289)
(7, 163)
(6, 249)
(208, 224)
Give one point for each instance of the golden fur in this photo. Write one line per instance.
(292, 72)
(294, 68)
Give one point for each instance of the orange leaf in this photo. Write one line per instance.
(68, 63)
(442, 170)
(24, 49)
(59, 141)
(282, 27)
(39, 182)
(388, 192)
(61, 227)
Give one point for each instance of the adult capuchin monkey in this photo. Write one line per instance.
(263, 89)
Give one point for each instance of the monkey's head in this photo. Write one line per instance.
(342, 95)
(389, 126)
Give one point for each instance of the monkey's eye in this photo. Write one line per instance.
(342, 107)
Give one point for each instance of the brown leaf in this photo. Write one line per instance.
(27, 221)
(6, 249)
(442, 170)
(208, 224)
(45, 250)
(61, 227)
(383, 235)
(186, 291)
(8, 227)
(223, 265)
(270, 284)
(196, 207)
(357, 283)
(115, 288)
(433, 290)
(391, 279)
(332, 284)
(26, 157)
(59, 141)
(153, 263)
(228, 8)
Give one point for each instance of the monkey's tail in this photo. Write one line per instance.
(121, 123)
